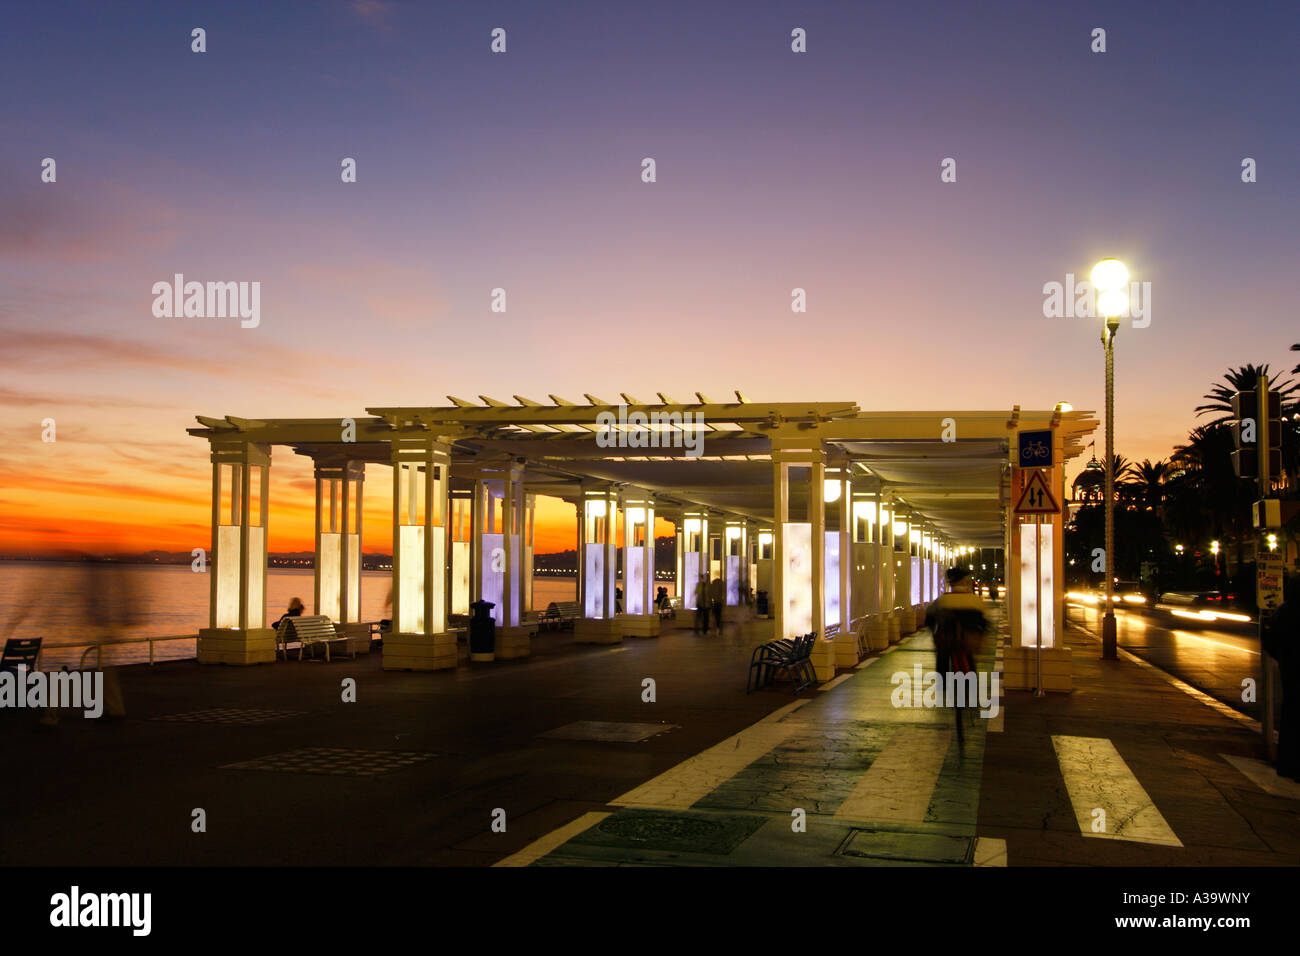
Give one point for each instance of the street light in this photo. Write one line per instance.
(1110, 278)
(1214, 550)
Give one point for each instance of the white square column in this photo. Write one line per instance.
(337, 589)
(640, 619)
(597, 569)
(237, 631)
(419, 639)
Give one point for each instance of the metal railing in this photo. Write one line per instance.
(98, 646)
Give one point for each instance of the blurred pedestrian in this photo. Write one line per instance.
(957, 624)
(717, 599)
(702, 606)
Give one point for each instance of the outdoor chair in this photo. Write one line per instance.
(794, 657)
(21, 650)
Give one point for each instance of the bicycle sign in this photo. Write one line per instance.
(1036, 449)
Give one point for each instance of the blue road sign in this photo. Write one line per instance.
(1036, 449)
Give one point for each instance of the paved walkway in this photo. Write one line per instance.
(839, 778)
(1128, 769)
(1132, 768)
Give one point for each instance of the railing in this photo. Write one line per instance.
(98, 646)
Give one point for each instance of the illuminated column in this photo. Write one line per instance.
(1032, 567)
(530, 545)
(764, 550)
(839, 489)
(237, 631)
(640, 618)
(800, 564)
(338, 541)
(421, 478)
(598, 569)
(497, 563)
(733, 559)
(462, 547)
(694, 537)
(864, 587)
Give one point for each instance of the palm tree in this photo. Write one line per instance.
(1148, 483)
(1296, 348)
(1242, 379)
(1246, 378)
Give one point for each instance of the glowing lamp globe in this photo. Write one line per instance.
(1109, 275)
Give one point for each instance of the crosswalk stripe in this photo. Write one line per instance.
(544, 845)
(695, 777)
(1097, 777)
(1264, 776)
(990, 851)
(898, 785)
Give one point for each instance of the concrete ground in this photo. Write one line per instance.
(582, 770)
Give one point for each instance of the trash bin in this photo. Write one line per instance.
(761, 605)
(482, 631)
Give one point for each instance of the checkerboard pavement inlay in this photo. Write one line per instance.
(335, 761)
(231, 715)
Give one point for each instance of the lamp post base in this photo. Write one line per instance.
(1108, 639)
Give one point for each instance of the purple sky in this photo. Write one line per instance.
(522, 171)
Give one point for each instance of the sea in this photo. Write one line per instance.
(70, 605)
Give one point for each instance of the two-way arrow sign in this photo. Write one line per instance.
(1037, 498)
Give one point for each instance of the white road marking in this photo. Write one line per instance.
(1264, 776)
(681, 786)
(832, 683)
(544, 845)
(1097, 777)
(990, 851)
(899, 784)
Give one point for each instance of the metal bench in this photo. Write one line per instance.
(558, 614)
(308, 630)
(794, 657)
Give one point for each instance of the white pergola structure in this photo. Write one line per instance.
(845, 518)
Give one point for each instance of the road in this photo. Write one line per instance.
(1214, 660)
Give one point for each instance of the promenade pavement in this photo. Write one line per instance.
(574, 766)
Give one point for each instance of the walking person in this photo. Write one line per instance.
(702, 606)
(717, 598)
(957, 624)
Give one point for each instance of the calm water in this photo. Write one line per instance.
(74, 603)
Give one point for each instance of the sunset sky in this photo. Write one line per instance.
(476, 170)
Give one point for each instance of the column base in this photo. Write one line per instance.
(846, 648)
(227, 645)
(878, 632)
(906, 621)
(419, 652)
(513, 642)
(823, 660)
(1020, 671)
(640, 625)
(597, 630)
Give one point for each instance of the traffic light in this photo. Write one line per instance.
(1246, 430)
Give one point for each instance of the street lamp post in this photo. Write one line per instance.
(1110, 279)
